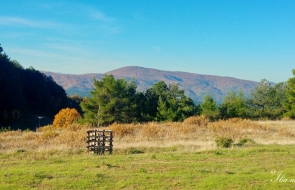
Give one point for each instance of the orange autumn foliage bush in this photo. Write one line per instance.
(65, 117)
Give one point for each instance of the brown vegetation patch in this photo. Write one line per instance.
(193, 132)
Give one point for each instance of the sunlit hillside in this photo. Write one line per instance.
(195, 85)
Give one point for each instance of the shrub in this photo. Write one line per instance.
(243, 141)
(122, 130)
(154, 131)
(65, 117)
(224, 142)
(237, 128)
(197, 120)
(135, 151)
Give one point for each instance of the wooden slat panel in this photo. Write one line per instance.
(100, 141)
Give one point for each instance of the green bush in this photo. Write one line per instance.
(224, 142)
(243, 141)
(135, 151)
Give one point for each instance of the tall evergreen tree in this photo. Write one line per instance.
(209, 108)
(152, 97)
(290, 93)
(12, 99)
(112, 100)
(267, 100)
(233, 105)
(175, 106)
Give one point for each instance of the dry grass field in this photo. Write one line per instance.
(167, 155)
(195, 133)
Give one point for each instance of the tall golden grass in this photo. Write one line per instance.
(192, 133)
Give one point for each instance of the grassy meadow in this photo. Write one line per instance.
(153, 156)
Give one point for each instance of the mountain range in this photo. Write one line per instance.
(195, 85)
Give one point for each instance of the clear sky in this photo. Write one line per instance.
(246, 39)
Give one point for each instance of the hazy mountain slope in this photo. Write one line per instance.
(75, 84)
(195, 85)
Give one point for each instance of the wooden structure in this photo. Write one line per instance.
(100, 141)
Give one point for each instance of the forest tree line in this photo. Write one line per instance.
(28, 91)
(115, 100)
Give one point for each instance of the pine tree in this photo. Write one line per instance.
(209, 108)
(175, 106)
(112, 100)
(267, 100)
(290, 92)
(233, 105)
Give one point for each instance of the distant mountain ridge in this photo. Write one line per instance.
(195, 85)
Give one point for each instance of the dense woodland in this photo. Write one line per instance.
(28, 91)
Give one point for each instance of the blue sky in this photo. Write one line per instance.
(246, 39)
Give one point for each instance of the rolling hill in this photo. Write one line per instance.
(195, 85)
